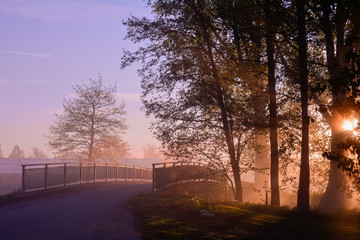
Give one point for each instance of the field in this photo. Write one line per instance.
(173, 216)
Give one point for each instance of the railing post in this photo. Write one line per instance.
(64, 174)
(106, 172)
(116, 167)
(23, 187)
(153, 178)
(165, 182)
(46, 176)
(141, 171)
(134, 174)
(94, 172)
(125, 172)
(80, 173)
(173, 173)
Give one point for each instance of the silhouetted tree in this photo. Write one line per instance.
(90, 123)
(113, 148)
(16, 152)
(339, 25)
(152, 151)
(304, 179)
(36, 152)
(198, 97)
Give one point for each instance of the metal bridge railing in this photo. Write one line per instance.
(50, 175)
(165, 174)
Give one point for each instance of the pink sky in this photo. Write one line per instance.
(46, 46)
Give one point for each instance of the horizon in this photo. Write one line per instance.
(48, 47)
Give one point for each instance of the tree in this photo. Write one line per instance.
(198, 97)
(16, 152)
(304, 179)
(243, 23)
(113, 148)
(37, 153)
(273, 123)
(90, 123)
(151, 151)
(339, 25)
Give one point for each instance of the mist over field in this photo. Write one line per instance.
(11, 169)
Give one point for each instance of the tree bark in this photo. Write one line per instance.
(224, 119)
(92, 134)
(304, 178)
(334, 196)
(274, 154)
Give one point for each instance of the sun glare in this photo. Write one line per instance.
(350, 125)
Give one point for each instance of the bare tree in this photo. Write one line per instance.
(152, 151)
(36, 152)
(89, 120)
(114, 148)
(17, 152)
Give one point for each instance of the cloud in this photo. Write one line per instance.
(41, 55)
(130, 96)
(67, 10)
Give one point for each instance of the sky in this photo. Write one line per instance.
(46, 47)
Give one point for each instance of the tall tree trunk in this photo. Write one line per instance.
(92, 135)
(261, 180)
(304, 179)
(274, 152)
(260, 101)
(224, 119)
(334, 196)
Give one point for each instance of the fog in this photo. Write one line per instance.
(11, 169)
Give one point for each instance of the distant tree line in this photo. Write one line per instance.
(17, 152)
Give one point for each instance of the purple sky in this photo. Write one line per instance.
(46, 46)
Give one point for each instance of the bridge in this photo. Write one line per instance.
(53, 175)
(88, 211)
(166, 175)
(44, 176)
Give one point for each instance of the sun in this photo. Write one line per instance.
(350, 125)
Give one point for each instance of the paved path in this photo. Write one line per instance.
(97, 211)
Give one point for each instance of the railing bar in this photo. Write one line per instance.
(54, 177)
(106, 172)
(23, 189)
(64, 174)
(46, 176)
(81, 172)
(94, 172)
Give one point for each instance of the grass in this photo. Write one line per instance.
(10, 197)
(170, 216)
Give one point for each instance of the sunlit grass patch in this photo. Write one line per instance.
(166, 216)
(262, 219)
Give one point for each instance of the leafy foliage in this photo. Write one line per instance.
(192, 84)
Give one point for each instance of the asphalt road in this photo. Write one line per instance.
(97, 211)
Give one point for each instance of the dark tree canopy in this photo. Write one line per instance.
(192, 84)
(220, 75)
